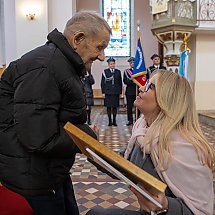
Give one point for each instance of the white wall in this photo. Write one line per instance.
(9, 31)
(2, 46)
(205, 72)
(31, 33)
(59, 12)
(21, 34)
(205, 49)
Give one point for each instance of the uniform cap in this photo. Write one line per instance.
(131, 59)
(111, 59)
(154, 56)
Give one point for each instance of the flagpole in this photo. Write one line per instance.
(186, 48)
(138, 32)
(187, 57)
(185, 41)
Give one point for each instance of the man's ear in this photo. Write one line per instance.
(78, 38)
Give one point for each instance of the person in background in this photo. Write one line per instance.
(130, 91)
(168, 143)
(156, 59)
(111, 86)
(88, 81)
(39, 94)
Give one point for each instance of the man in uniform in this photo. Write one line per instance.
(130, 91)
(156, 59)
(111, 85)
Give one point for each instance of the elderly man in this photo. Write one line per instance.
(39, 93)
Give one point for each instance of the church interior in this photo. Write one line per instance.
(166, 27)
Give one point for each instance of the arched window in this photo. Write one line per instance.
(118, 15)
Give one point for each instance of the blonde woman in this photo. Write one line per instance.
(167, 142)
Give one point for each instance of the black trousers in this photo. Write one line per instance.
(130, 103)
(61, 202)
(112, 110)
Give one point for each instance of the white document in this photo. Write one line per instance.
(118, 174)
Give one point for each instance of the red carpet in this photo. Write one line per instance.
(13, 204)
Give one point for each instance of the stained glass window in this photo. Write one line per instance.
(117, 14)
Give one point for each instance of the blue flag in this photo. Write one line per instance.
(184, 63)
(139, 71)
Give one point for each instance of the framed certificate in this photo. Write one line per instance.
(115, 164)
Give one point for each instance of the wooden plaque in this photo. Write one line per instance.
(131, 171)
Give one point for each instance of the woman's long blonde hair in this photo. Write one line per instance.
(178, 112)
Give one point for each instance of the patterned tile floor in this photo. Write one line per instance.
(93, 187)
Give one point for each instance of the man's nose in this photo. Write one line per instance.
(101, 56)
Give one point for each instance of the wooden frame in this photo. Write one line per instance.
(131, 171)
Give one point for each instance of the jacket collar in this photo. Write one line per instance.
(61, 42)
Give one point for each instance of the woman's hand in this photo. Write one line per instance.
(95, 129)
(146, 205)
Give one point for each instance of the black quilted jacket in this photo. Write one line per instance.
(39, 93)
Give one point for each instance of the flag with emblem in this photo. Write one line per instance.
(139, 71)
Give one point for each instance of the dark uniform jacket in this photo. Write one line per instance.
(111, 83)
(130, 85)
(151, 69)
(39, 93)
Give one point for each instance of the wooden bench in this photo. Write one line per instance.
(97, 94)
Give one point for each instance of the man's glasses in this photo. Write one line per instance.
(149, 85)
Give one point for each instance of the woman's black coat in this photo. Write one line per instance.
(88, 82)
